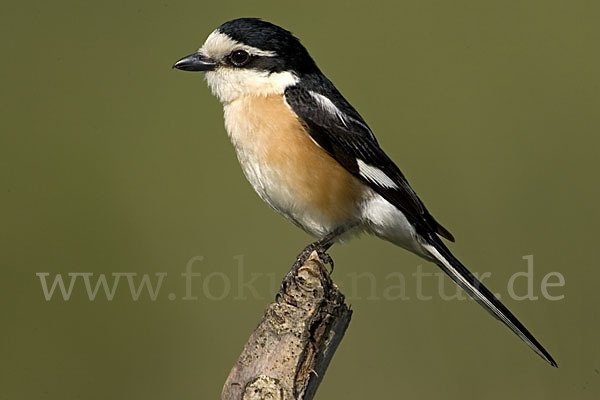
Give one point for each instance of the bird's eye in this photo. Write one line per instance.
(239, 58)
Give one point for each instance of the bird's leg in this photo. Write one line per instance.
(320, 246)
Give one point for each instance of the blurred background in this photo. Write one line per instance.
(112, 163)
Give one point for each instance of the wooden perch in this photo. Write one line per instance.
(288, 353)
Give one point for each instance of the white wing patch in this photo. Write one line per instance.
(375, 175)
(331, 108)
(328, 106)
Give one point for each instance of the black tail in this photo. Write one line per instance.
(463, 277)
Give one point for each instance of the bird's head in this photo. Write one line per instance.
(248, 56)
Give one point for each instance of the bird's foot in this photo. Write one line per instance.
(326, 258)
(321, 248)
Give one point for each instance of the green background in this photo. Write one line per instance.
(112, 162)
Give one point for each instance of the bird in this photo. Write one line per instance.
(311, 157)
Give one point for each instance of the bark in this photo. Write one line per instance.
(288, 353)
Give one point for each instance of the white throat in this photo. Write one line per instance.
(229, 84)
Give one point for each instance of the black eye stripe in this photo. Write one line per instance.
(239, 57)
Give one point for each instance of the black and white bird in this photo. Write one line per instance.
(310, 155)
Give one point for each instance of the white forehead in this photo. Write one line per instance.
(219, 45)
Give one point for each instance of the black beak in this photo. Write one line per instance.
(195, 62)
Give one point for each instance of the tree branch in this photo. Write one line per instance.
(288, 353)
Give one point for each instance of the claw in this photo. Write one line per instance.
(320, 246)
(326, 260)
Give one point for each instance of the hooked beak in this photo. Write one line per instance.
(195, 62)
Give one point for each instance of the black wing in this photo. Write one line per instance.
(339, 129)
(336, 126)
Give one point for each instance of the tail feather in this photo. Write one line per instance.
(465, 279)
